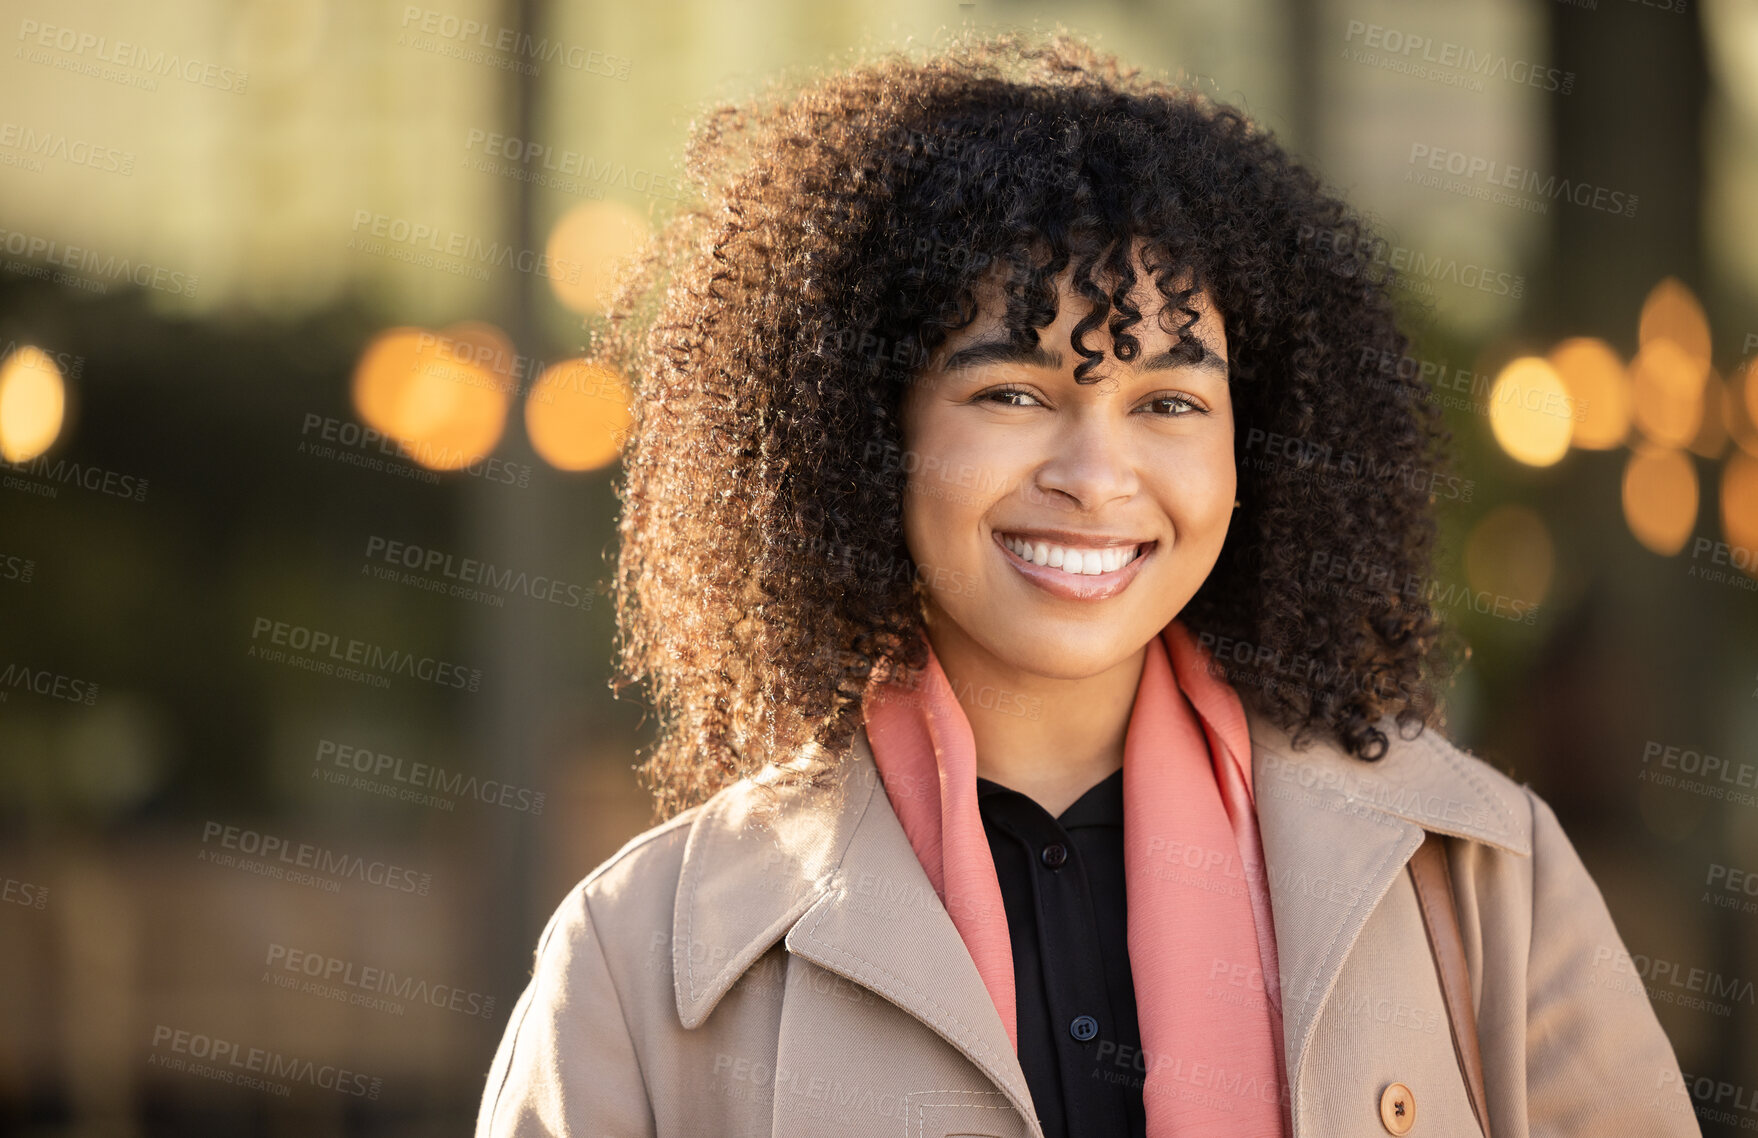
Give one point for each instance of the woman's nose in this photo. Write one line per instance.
(1088, 459)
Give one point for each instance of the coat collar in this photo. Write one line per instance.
(832, 873)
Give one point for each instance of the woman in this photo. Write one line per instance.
(1028, 765)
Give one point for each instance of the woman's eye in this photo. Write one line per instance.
(1010, 397)
(1189, 406)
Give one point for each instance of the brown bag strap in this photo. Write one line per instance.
(1440, 915)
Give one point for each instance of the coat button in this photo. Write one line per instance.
(1085, 1027)
(1054, 855)
(1398, 1108)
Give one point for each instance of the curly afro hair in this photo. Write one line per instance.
(769, 333)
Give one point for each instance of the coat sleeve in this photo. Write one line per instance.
(567, 1066)
(1597, 1060)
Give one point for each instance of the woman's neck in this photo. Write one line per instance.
(1050, 739)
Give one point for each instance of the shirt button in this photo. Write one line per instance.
(1398, 1108)
(1085, 1027)
(1054, 855)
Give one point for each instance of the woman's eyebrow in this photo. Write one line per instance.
(1006, 351)
(1003, 352)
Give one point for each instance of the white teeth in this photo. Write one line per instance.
(1082, 562)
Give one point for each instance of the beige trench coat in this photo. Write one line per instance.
(713, 978)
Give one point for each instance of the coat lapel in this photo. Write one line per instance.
(884, 927)
(1337, 832)
(850, 897)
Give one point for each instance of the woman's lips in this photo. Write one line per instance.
(1077, 587)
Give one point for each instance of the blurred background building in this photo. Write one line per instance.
(306, 514)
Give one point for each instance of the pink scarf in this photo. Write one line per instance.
(1202, 949)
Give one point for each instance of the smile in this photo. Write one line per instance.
(1092, 570)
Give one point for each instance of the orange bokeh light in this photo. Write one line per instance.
(1600, 389)
(434, 392)
(577, 415)
(1672, 312)
(1667, 387)
(587, 246)
(33, 404)
(1739, 509)
(1530, 413)
(1660, 497)
(1712, 425)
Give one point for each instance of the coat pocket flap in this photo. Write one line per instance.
(953, 1114)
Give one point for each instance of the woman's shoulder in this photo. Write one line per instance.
(1422, 776)
(1530, 815)
(1513, 803)
(750, 826)
(1551, 874)
(644, 861)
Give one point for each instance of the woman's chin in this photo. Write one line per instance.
(1071, 659)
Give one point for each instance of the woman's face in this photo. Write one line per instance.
(1017, 475)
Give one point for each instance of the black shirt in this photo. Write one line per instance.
(1062, 886)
